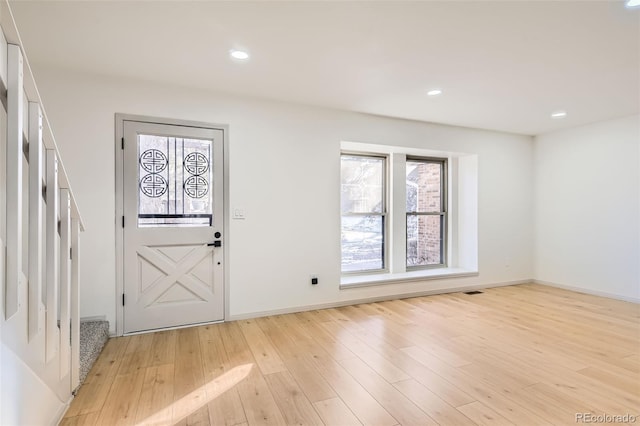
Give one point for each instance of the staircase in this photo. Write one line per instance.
(93, 336)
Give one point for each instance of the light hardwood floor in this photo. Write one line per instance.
(526, 354)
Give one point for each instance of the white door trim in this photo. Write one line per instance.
(119, 203)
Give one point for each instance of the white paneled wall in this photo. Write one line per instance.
(39, 243)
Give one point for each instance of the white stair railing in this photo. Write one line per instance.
(40, 231)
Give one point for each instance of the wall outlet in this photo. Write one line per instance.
(314, 280)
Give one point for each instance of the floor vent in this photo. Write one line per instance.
(473, 292)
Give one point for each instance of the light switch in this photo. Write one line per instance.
(238, 214)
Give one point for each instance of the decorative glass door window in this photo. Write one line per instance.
(174, 181)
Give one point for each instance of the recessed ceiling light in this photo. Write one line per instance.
(633, 3)
(559, 114)
(239, 54)
(434, 92)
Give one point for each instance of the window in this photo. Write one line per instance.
(363, 210)
(408, 214)
(426, 214)
(395, 218)
(174, 181)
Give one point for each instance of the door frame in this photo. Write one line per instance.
(119, 203)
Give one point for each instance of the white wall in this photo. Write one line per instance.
(284, 173)
(24, 398)
(587, 208)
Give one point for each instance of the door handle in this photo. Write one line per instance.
(216, 243)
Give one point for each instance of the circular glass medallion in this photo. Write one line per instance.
(196, 187)
(153, 161)
(196, 163)
(153, 185)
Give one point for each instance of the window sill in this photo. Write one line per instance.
(354, 281)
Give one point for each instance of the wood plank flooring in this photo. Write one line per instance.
(526, 354)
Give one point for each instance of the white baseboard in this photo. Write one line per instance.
(588, 291)
(62, 411)
(371, 300)
(95, 318)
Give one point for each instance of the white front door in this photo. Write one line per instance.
(173, 223)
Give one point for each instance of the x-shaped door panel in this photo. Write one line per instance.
(175, 273)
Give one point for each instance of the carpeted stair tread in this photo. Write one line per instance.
(93, 336)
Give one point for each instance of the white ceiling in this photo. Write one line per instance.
(503, 65)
